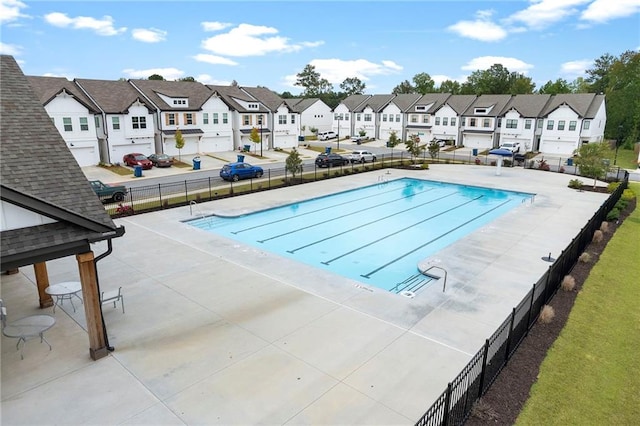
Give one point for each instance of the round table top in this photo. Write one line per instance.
(64, 288)
(29, 326)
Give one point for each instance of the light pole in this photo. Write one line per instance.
(618, 140)
(339, 116)
(260, 123)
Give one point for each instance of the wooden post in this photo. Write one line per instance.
(42, 280)
(95, 326)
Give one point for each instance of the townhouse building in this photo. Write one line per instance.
(520, 119)
(284, 122)
(393, 117)
(344, 115)
(73, 114)
(420, 115)
(313, 114)
(479, 123)
(367, 115)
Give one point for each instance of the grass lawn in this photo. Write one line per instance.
(591, 375)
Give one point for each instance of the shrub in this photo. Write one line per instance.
(597, 236)
(568, 283)
(547, 313)
(483, 411)
(614, 214)
(575, 184)
(612, 187)
(628, 195)
(585, 257)
(621, 204)
(604, 226)
(561, 169)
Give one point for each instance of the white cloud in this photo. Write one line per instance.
(543, 13)
(102, 26)
(167, 73)
(605, 10)
(150, 35)
(207, 79)
(214, 26)
(251, 40)
(482, 28)
(10, 10)
(392, 65)
(485, 62)
(575, 68)
(213, 59)
(337, 70)
(9, 49)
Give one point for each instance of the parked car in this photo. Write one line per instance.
(324, 136)
(137, 159)
(362, 156)
(108, 192)
(511, 146)
(358, 139)
(331, 160)
(236, 171)
(161, 160)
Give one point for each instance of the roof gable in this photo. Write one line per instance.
(196, 93)
(112, 96)
(47, 88)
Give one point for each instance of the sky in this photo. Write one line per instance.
(266, 43)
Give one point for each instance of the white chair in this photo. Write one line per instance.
(26, 328)
(113, 296)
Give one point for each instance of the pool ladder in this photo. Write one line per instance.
(418, 281)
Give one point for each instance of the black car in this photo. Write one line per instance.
(331, 160)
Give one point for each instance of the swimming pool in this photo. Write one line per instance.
(376, 234)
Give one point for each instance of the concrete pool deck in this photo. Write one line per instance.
(216, 332)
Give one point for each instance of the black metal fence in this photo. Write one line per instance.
(454, 405)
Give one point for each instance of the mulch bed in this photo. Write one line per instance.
(506, 397)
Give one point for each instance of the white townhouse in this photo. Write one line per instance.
(73, 114)
(344, 115)
(182, 105)
(446, 118)
(125, 122)
(393, 116)
(313, 112)
(420, 118)
(520, 118)
(285, 123)
(247, 113)
(570, 120)
(479, 123)
(366, 115)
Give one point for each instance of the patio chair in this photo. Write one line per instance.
(113, 296)
(26, 328)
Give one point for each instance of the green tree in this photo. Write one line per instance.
(433, 148)
(312, 82)
(413, 146)
(353, 86)
(590, 160)
(598, 76)
(520, 84)
(623, 99)
(187, 79)
(403, 88)
(179, 142)
(424, 83)
(449, 86)
(254, 137)
(155, 77)
(579, 85)
(555, 87)
(293, 163)
(493, 81)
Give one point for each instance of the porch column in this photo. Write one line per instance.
(91, 298)
(42, 280)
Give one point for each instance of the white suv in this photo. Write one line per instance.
(511, 146)
(325, 136)
(362, 156)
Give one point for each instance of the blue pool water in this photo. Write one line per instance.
(375, 234)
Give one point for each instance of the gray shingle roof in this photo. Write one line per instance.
(47, 88)
(352, 102)
(39, 173)
(527, 105)
(112, 96)
(579, 102)
(300, 104)
(197, 93)
(229, 94)
(436, 100)
(498, 103)
(270, 99)
(459, 103)
(375, 102)
(594, 107)
(404, 101)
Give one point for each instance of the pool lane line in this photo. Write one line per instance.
(369, 223)
(368, 275)
(340, 217)
(318, 210)
(327, 262)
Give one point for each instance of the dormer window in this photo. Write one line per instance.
(252, 106)
(480, 111)
(180, 103)
(421, 107)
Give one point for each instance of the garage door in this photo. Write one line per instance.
(557, 147)
(216, 144)
(471, 140)
(86, 156)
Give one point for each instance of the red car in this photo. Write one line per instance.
(137, 159)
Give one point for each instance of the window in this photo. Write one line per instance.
(97, 121)
(346, 117)
(397, 118)
(572, 125)
(527, 124)
(260, 118)
(512, 124)
(413, 118)
(367, 117)
(549, 124)
(115, 123)
(179, 101)
(215, 118)
(225, 118)
(293, 119)
(445, 121)
(84, 124)
(437, 121)
(486, 122)
(189, 118)
(384, 118)
(586, 125)
(462, 121)
(453, 121)
(253, 106)
(139, 122)
(561, 125)
(282, 119)
(480, 111)
(358, 117)
(539, 124)
(246, 120)
(421, 107)
(171, 119)
(425, 118)
(472, 122)
(66, 121)
(205, 118)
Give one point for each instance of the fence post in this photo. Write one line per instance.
(483, 373)
(160, 196)
(447, 401)
(533, 297)
(186, 192)
(210, 195)
(510, 337)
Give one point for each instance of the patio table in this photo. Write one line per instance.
(62, 291)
